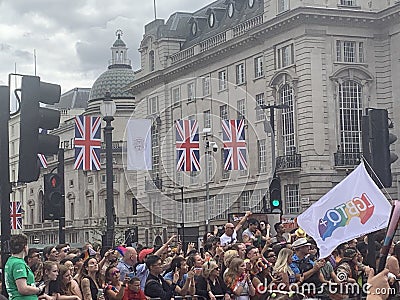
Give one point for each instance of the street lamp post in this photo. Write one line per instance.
(182, 212)
(108, 109)
(206, 132)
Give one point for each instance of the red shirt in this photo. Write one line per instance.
(132, 295)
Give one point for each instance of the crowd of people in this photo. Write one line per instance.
(239, 264)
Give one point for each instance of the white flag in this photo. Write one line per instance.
(139, 144)
(352, 208)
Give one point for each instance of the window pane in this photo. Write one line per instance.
(349, 49)
(259, 111)
(288, 132)
(350, 106)
(292, 199)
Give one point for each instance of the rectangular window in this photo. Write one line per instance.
(152, 105)
(222, 80)
(210, 168)
(191, 210)
(225, 173)
(223, 112)
(258, 67)
(207, 119)
(262, 156)
(157, 211)
(245, 200)
(260, 115)
(155, 150)
(256, 200)
(104, 178)
(292, 199)
(190, 92)
(288, 132)
(284, 56)
(206, 85)
(219, 206)
(349, 51)
(240, 74)
(283, 5)
(175, 95)
(241, 109)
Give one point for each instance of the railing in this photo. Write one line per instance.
(242, 28)
(182, 55)
(152, 184)
(218, 39)
(213, 42)
(116, 146)
(347, 158)
(291, 161)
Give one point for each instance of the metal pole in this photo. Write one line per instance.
(183, 221)
(207, 185)
(5, 187)
(61, 222)
(110, 212)
(272, 124)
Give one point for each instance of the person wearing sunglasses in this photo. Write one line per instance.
(63, 250)
(230, 235)
(114, 289)
(209, 285)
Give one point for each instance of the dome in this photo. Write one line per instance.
(118, 75)
(113, 80)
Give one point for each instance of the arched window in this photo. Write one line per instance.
(151, 61)
(288, 132)
(350, 114)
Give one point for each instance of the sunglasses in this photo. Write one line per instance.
(66, 250)
(115, 272)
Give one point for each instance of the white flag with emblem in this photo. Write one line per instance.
(138, 134)
(354, 207)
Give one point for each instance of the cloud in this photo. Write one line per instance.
(72, 38)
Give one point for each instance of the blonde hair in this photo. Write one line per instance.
(281, 264)
(229, 255)
(208, 267)
(47, 266)
(232, 274)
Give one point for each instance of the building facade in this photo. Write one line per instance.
(320, 63)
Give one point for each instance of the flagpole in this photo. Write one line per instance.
(155, 10)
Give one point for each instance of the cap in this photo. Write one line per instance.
(300, 243)
(144, 253)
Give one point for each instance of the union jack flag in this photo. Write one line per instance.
(87, 143)
(187, 145)
(235, 151)
(16, 215)
(42, 157)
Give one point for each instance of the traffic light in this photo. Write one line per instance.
(380, 141)
(33, 117)
(53, 198)
(275, 198)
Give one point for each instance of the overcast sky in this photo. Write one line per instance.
(72, 38)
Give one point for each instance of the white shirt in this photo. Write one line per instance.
(226, 240)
